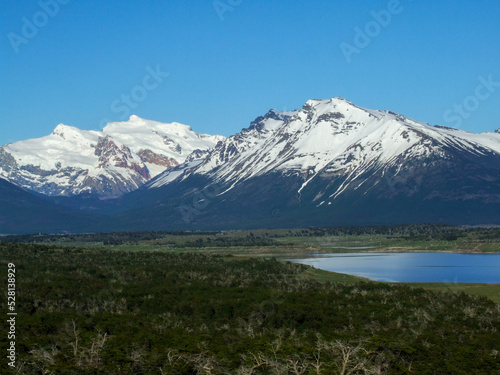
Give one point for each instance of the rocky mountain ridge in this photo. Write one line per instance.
(332, 163)
(119, 159)
(328, 138)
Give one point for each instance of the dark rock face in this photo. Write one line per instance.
(258, 123)
(196, 155)
(148, 156)
(330, 116)
(7, 161)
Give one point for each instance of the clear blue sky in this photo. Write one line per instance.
(227, 67)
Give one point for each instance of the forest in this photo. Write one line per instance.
(121, 310)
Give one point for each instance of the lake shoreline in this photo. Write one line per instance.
(424, 268)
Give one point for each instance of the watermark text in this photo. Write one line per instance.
(224, 6)
(365, 35)
(483, 91)
(31, 26)
(11, 314)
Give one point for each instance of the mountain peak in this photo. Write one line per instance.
(270, 120)
(139, 124)
(312, 103)
(60, 127)
(497, 131)
(338, 99)
(335, 101)
(62, 130)
(133, 121)
(336, 104)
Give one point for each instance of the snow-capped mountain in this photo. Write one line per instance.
(331, 138)
(247, 142)
(118, 159)
(318, 161)
(328, 163)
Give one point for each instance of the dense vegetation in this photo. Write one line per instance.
(269, 237)
(94, 311)
(169, 239)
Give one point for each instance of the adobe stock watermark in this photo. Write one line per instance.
(364, 36)
(138, 94)
(11, 314)
(32, 25)
(201, 200)
(483, 91)
(224, 6)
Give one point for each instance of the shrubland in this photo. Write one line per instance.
(104, 311)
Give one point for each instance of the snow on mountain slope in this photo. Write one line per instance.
(173, 173)
(117, 160)
(246, 143)
(330, 138)
(159, 145)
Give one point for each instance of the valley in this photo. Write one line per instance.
(299, 243)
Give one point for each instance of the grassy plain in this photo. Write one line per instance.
(299, 243)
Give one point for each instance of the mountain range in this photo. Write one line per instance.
(328, 163)
(118, 159)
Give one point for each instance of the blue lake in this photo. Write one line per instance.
(412, 267)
